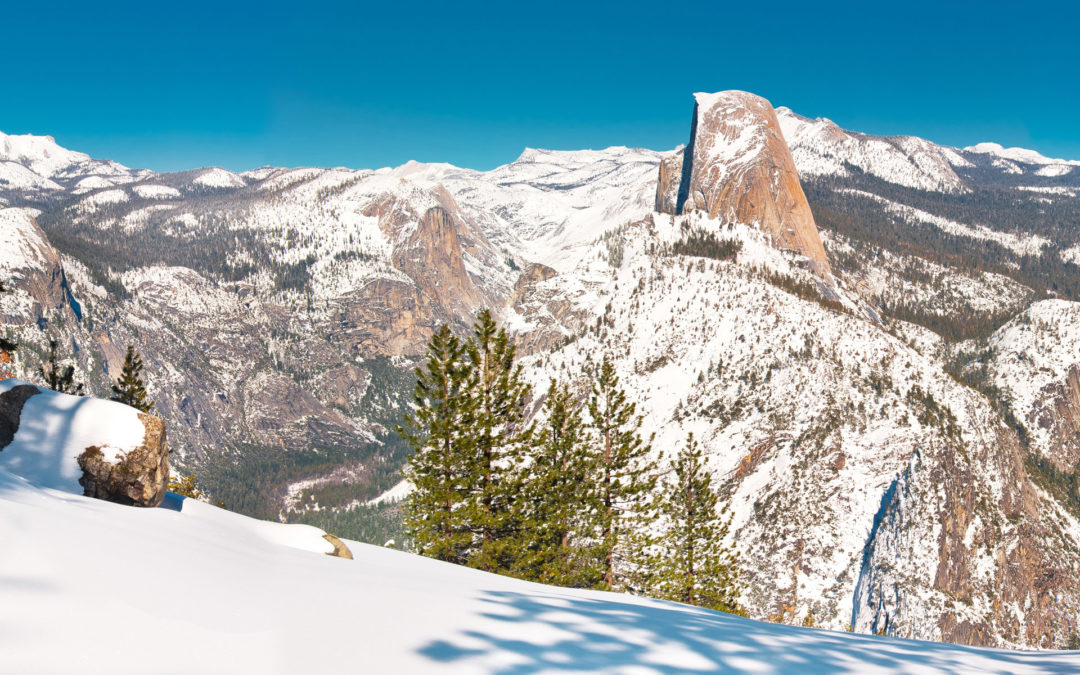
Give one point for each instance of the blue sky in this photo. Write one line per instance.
(240, 85)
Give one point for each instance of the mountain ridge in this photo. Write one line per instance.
(280, 321)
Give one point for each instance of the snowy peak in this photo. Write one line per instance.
(821, 148)
(219, 178)
(1018, 154)
(32, 165)
(40, 154)
(737, 168)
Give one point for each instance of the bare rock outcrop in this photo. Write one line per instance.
(11, 405)
(667, 184)
(35, 265)
(139, 478)
(738, 168)
(433, 258)
(398, 315)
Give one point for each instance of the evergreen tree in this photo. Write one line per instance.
(556, 498)
(59, 378)
(129, 388)
(185, 486)
(623, 477)
(497, 398)
(437, 431)
(692, 564)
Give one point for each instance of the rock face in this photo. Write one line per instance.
(737, 168)
(139, 478)
(11, 405)
(1057, 412)
(28, 257)
(667, 184)
(433, 256)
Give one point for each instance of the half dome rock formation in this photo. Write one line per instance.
(82, 445)
(738, 168)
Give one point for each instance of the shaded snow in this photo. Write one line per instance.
(84, 591)
(55, 428)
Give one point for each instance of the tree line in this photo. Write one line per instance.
(572, 498)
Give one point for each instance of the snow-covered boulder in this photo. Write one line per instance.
(83, 445)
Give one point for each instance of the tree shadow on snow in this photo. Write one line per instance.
(545, 634)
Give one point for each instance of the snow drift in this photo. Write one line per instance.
(94, 587)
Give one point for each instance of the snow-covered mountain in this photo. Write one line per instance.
(881, 431)
(38, 166)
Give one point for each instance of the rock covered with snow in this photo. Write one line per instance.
(219, 178)
(1036, 363)
(29, 263)
(83, 445)
(737, 167)
(821, 148)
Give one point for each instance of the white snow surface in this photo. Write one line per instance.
(105, 197)
(820, 147)
(219, 178)
(156, 191)
(22, 243)
(92, 183)
(16, 176)
(40, 154)
(395, 494)
(55, 428)
(1034, 350)
(1071, 254)
(1018, 154)
(95, 587)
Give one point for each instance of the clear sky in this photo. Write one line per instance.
(171, 86)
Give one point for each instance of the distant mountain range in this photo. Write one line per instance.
(885, 374)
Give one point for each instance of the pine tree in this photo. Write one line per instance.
(437, 431)
(129, 388)
(556, 498)
(692, 564)
(624, 478)
(59, 378)
(497, 397)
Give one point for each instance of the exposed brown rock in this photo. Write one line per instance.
(738, 168)
(340, 549)
(41, 275)
(530, 276)
(11, 405)
(432, 257)
(667, 185)
(141, 476)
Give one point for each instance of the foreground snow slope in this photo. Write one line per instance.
(89, 586)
